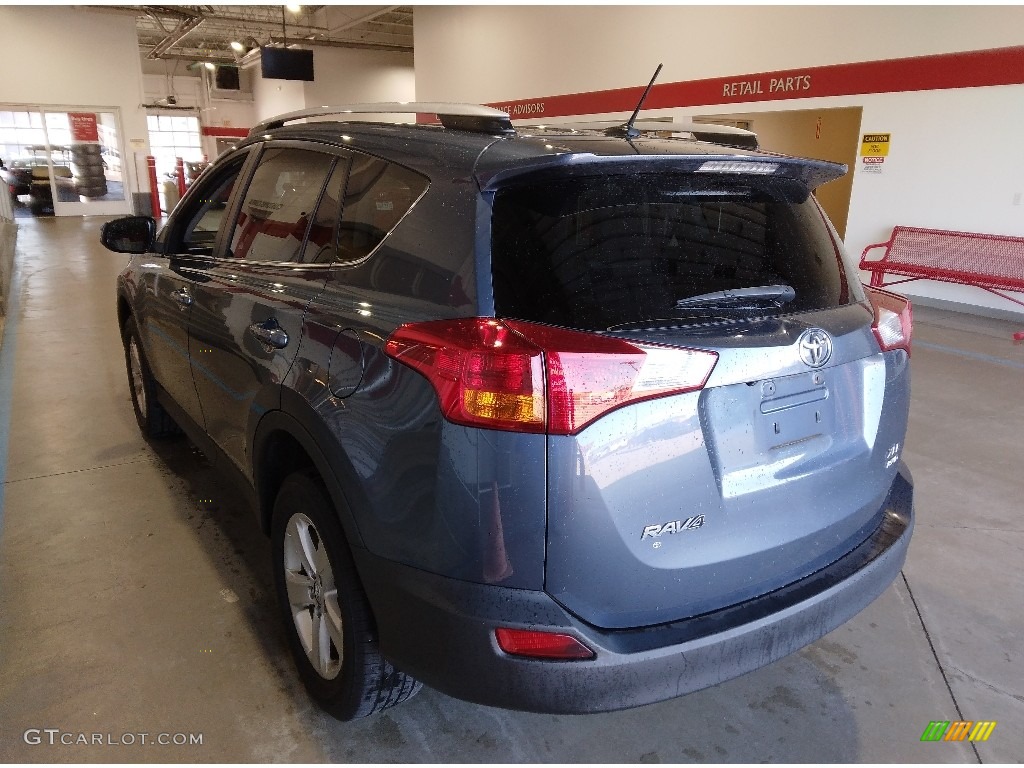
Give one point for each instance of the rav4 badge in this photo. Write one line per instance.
(673, 526)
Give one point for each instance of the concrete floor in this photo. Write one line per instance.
(136, 593)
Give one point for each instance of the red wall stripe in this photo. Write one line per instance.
(225, 133)
(969, 69)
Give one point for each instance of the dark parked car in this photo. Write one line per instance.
(40, 193)
(562, 423)
(17, 176)
(31, 177)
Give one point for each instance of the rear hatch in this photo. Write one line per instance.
(699, 491)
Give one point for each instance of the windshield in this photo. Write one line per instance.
(617, 251)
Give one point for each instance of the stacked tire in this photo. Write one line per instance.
(87, 165)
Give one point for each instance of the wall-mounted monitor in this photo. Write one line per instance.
(286, 64)
(226, 78)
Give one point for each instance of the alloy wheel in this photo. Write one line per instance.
(138, 383)
(313, 596)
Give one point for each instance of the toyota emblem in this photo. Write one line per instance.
(815, 347)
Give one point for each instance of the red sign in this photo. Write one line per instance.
(224, 132)
(968, 69)
(83, 126)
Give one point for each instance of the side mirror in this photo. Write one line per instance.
(129, 234)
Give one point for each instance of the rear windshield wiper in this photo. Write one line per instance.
(756, 297)
(671, 323)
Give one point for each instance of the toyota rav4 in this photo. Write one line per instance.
(555, 420)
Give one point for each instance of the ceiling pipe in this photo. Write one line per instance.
(177, 12)
(356, 45)
(215, 58)
(215, 19)
(184, 27)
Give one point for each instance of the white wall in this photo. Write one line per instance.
(70, 57)
(494, 53)
(343, 76)
(956, 159)
(347, 76)
(956, 162)
(275, 97)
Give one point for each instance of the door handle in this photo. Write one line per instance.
(270, 333)
(183, 297)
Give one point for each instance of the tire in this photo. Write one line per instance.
(89, 168)
(81, 151)
(153, 420)
(349, 678)
(92, 191)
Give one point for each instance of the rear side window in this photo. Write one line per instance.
(621, 251)
(377, 196)
(278, 205)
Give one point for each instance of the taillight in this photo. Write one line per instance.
(893, 323)
(532, 378)
(483, 372)
(590, 375)
(541, 645)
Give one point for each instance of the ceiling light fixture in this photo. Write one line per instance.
(294, 8)
(237, 46)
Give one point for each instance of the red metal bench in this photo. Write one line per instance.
(992, 262)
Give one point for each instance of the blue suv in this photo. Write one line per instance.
(555, 420)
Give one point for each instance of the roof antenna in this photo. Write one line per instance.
(627, 130)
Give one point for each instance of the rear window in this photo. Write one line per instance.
(617, 252)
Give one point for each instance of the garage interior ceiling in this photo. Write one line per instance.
(205, 32)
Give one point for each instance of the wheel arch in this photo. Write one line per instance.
(285, 442)
(124, 310)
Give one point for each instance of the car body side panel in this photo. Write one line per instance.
(163, 324)
(461, 502)
(237, 375)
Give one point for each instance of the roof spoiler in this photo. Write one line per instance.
(813, 173)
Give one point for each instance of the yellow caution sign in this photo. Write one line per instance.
(874, 145)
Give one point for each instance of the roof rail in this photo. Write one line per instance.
(463, 117)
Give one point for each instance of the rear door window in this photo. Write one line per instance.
(612, 252)
(279, 204)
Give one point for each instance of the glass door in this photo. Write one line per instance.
(85, 157)
(62, 162)
(23, 156)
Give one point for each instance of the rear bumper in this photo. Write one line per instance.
(442, 630)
